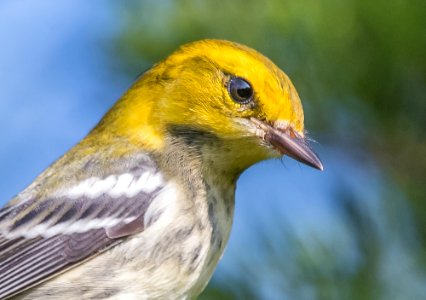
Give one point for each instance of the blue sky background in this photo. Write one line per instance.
(56, 82)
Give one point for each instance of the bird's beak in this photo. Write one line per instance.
(288, 142)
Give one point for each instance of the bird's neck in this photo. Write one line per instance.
(210, 186)
(197, 154)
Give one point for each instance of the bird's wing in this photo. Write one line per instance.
(40, 238)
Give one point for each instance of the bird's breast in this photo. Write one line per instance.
(184, 238)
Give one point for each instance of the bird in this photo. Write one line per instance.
(142, 207)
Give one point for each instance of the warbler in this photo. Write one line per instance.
(142, 207)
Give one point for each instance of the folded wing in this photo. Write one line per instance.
(42, 237)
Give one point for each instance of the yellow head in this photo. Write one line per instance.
(221, 89)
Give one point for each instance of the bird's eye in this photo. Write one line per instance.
(240, 90)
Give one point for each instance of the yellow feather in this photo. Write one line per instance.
(189, 88)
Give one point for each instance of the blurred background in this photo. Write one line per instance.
(355, 231)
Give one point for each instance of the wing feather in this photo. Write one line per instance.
(40, 238)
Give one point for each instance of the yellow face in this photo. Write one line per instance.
(222, 88)
(200, 88)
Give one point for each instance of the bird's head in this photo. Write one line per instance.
(220, 93)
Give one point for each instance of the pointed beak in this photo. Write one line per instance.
(289, 142)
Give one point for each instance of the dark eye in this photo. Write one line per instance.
(240, 90)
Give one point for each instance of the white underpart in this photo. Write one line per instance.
(115, 186)
(163, 207)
